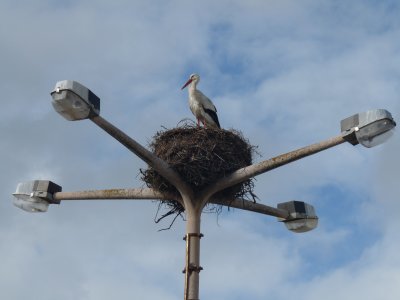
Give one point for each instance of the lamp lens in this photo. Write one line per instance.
(375, 133)
(30, 204)
(302, 225)
(70, 105)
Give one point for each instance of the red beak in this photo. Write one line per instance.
(187, 83)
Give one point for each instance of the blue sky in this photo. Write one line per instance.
(282, 72)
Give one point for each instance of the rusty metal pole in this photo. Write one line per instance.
(192, 264)
(192, 238)
(193, 207)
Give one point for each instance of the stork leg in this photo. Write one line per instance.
(198, 122)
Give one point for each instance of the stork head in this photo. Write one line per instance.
(193, 78)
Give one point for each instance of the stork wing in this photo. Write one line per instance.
(213, 116)
(205, 102)
(209, 107)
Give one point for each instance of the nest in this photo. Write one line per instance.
(200, 156)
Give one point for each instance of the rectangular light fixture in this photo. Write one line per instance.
(369, 128)
(36, 195)
(74, 101)
(302, 217)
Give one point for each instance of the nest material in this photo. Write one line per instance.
(200, 156)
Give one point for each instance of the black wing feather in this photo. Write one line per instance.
(213, 116)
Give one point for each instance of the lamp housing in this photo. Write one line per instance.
(302, 217)
(36, 195)
(369, 128)
(74, 101)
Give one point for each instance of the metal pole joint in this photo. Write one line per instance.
(193, 268)
(189, 235)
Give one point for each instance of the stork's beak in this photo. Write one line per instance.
(187, 83)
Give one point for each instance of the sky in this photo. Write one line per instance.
(284, 73)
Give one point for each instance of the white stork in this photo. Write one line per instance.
(202, 107)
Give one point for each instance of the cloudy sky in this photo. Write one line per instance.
(282, 72)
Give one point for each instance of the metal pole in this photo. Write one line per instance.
(192, 264)
(194, 208)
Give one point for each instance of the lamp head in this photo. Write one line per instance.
(302, 217)
(370, 128)
(74, 101)
(36, 195)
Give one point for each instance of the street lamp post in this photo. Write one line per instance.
(76, 102)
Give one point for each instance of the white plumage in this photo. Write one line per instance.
(202, 107)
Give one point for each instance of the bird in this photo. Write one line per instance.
(202, 107)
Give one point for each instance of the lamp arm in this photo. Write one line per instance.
(140, 194)
(151, 194)
(151, 159)
(252, 206)
(253, 170)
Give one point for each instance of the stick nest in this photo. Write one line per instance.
(200, 156)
